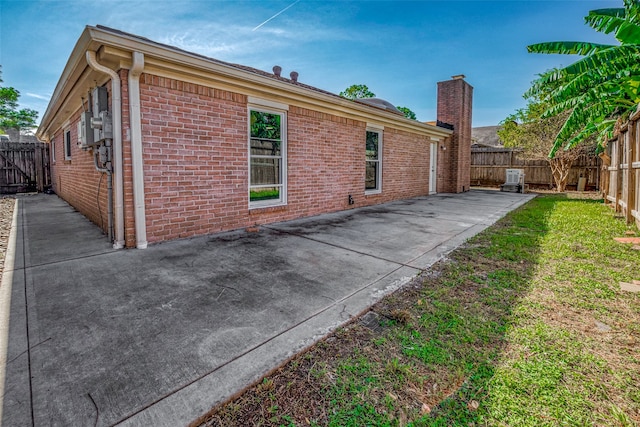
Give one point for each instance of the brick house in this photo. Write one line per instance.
(201, 146)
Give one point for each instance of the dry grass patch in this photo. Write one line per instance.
(6, 218)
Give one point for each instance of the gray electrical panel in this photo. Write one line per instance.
(100, 101)
(85, 131)
(99, 104)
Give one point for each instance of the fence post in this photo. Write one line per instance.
(630, 190)
(4, 168)
(631, 155)
(619, 180)
(39, 167)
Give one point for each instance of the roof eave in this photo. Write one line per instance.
(119, 47)
(76, 59)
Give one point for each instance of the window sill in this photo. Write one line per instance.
(267, 208)
(372, 192)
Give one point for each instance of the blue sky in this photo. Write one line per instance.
(399, 49)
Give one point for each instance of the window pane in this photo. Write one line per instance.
(265, 147)
(371, 178)
(266, 158)
(67, 144)
(372, 145)
(265, 171)
(265, 125)
(269, 193)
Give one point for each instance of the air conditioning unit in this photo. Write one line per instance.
(514, 182)
(514, 176)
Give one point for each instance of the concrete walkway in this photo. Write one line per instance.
(158, 336)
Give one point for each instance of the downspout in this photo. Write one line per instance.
(136, 149)
(116, 111)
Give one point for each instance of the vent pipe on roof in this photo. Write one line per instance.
(294, 76)
(277, 70)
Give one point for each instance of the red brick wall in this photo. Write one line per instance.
(405, 165)
(76, 180)
(196, 166)
(455, 99)
(324, 163)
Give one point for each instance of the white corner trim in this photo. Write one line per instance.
(267, 103)
(139, 211)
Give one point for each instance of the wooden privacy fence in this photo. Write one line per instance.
(622, 161)
(24, 167)
(489, 166)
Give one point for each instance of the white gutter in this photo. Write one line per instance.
(116, 111)
(136, 149)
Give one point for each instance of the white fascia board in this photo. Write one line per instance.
(181, 63)
(77, 57)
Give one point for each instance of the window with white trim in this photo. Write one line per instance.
(267, 158)
(373, 170)
(53, 149)
(67, 145)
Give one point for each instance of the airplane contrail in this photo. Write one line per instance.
(282, 11)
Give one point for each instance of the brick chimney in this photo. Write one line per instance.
(455, 99)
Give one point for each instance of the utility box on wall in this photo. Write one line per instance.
(85, 131)
(99, 103)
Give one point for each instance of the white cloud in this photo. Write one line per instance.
(276, 15)
(230, 31)
(35, 95)
(210, 40)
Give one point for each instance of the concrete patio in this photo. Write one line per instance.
(158, 336)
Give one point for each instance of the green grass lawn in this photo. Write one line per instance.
(264, 194)
(525, 325)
